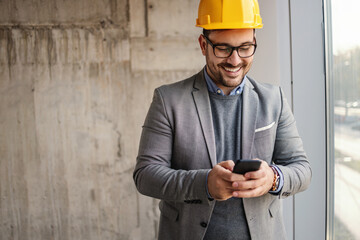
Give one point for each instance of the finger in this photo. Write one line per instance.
(250, 193)
(219, 188)
(259, 173)
(235, 177)
(225, 171)
(249, 184)
(244, 194)
(255, 174)
(232, 177)
(229, 165)
(222, 173)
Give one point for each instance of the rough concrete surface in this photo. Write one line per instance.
(76, 80)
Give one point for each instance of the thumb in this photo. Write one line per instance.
(229, 165)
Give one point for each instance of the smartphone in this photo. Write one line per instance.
(243, 166)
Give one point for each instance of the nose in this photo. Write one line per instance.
(234, 58)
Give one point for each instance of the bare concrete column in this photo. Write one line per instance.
(76, 80)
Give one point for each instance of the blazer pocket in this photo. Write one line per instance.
(264, 131)
(168, 211)
(264, 141)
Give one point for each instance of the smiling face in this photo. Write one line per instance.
(227, 73)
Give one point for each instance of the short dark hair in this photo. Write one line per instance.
(206, 32)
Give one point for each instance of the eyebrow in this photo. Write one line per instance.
(226, 44)
(244, 43)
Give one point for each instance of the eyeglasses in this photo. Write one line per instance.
(224, 51)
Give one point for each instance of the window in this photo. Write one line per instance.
(343, 76)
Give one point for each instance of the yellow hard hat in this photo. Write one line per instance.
(229, 14)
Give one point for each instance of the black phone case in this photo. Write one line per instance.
(244, 165)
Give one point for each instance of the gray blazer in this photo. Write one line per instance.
(177, 150)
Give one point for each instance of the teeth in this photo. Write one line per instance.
(232, 69)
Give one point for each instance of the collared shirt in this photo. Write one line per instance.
(215, 89)
(238, 90)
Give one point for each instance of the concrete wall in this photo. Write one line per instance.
(76, 79)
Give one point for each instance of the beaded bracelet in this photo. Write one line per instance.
(276, 180)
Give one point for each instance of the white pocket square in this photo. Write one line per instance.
(265, 128)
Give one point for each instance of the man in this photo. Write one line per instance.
(196, 128)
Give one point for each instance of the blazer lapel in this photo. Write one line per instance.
(202, 103)
(249, 115)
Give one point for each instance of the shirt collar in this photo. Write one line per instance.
(215, 89)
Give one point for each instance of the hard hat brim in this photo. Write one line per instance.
(213, 26)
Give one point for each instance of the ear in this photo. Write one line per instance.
(203, 44)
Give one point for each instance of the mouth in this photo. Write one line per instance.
(232, 69)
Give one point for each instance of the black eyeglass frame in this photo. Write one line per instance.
(232, 48)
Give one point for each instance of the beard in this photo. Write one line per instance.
(231, 81)
(221, 79)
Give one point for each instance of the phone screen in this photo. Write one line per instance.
(243, 166)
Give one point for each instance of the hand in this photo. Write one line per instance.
(255, 183)
(220, 180)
